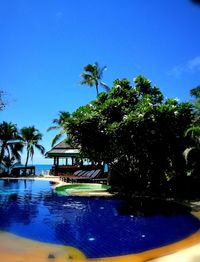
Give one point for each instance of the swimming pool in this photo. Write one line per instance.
(99, 227)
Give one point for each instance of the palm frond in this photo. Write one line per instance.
(55, 121)
(90, 68)
(9, 162)
(63, 116)
(15, 150)
(53, 128)
(105, 86)
(187, 152)
(37, 137)
(88, 82)
(101, 71)
(193, 131)
(40, 148)
(55, 139)
(195, 92)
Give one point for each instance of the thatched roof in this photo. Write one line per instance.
(62, 150)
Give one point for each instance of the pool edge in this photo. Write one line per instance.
(155, 253)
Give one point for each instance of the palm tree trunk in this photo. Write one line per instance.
(2, 152)
(27, 158)
(97, 89)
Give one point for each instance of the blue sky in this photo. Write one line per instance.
(46, 43)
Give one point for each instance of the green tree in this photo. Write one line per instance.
(92, 76)
(138, 133)
(59, 124)
(30, 137)
(192, 152)
(9, 141)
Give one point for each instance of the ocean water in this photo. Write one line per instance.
(42, 169)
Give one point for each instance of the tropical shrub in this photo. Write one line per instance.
(137, 132)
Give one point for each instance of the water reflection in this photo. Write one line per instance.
(151, 207)
(98, 227)
(16, 206)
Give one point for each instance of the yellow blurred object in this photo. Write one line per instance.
(17, 249)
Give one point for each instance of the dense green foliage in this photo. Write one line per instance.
(137, 132)
(151, 144)
(13, 140)
(10, 147)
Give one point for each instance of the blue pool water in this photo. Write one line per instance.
(98, 227)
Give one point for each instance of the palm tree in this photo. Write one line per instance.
(30, 137)
(10, 144)
(9, 162)
(59, 123)
(92, 76)
(192, 154)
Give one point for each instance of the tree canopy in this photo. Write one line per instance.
(136, 131)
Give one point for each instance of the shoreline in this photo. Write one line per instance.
(14, 248)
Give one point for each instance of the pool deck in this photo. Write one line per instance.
(186, 250)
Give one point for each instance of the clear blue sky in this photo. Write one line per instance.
(46, 43)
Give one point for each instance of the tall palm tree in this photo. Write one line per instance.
(92, 76)
(59, 123)
(30, 137)
(10, 144)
